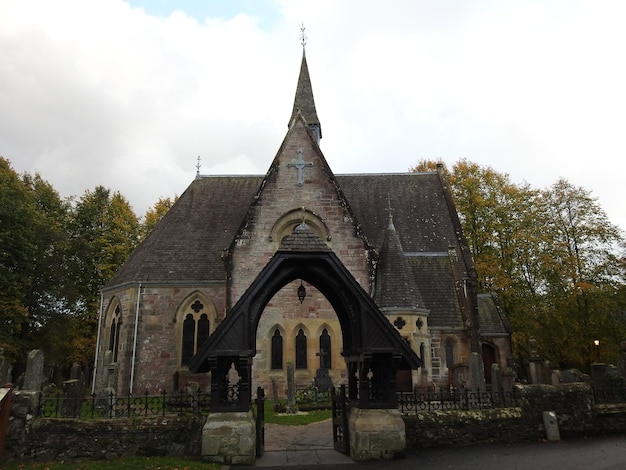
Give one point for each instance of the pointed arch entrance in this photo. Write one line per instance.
(372, 348)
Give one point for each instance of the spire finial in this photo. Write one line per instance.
(303, 37)
(198, 168)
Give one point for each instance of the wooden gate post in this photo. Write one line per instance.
(260, 422)
(6, 394)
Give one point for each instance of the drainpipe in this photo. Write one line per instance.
(132, 365)
(95, 359)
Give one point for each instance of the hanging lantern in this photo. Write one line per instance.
(301, 292)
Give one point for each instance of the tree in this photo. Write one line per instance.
(550, 258)
(103, 232)
(17, 245)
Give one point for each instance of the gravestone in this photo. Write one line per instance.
(5, 369)
(496, 378)
(76, 372)
(34, 370)
(291, 390)
(477, 372)
(551, 426)
(73, 394)
(276, 407)
(535, 365)
(323, 381)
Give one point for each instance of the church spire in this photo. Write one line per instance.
(304, 102)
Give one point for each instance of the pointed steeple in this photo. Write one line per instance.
(304, 102)
(395, 286)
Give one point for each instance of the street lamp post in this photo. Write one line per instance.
(596, 343)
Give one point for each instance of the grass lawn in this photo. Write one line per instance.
(138, 463)
(298, 419)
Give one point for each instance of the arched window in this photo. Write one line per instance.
(301, 350)
(196, 330)
(325, 351)
(189, 330)
(203, 330)
(114, 336)
(449, 347)
(277, 350)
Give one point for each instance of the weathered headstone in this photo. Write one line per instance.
(535, 366)
(496, 378)
(277, 406)
(34, 370)
(111, 374)
(76, 372)
(551, 426)
(323, 381)
(291, 389)
(477, 372)
(73, 395)
(5, 369)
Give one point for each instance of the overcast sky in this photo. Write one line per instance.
(128, 94)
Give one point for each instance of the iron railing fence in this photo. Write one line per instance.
(455, 399)
(609, 395)
(111, 406)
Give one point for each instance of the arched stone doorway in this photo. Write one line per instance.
(372, 348)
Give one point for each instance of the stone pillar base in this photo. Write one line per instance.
(376, 435)
(229, 438)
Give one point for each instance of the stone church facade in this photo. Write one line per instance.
(397, 234)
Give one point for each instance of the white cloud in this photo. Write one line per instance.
(101, 93)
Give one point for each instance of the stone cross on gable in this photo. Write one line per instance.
(300, 165)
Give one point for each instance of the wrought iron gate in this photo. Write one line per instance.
(260, 421)
(341, 438)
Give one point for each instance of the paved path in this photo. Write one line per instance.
(300, 445)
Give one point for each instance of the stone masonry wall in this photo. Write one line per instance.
(158, 334)
(576, 413)
(45, 440)
(67, 439)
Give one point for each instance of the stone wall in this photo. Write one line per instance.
(576, 413)
(45, 440)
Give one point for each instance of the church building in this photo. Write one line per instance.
(398, 235)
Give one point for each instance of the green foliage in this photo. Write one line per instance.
(551, 258)
(55, 257)
(17, 249)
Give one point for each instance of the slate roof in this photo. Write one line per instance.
(420, 212)
(186, 245)
(492, 321)
(434, 275)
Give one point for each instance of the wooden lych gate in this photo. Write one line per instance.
(373, 349)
